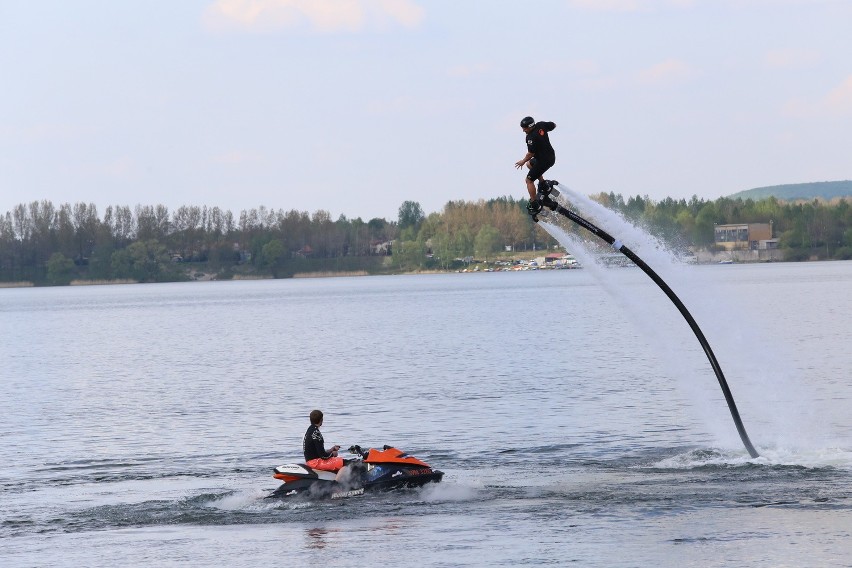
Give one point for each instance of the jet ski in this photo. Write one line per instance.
(371, 470)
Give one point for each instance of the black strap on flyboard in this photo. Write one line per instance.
(617, 245)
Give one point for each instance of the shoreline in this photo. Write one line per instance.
(200, 276)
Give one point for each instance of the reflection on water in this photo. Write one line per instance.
(316, 536)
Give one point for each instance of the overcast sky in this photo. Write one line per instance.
(355, 106)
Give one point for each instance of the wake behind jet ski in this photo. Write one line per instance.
(372, 470)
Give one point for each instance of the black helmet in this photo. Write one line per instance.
(527, 122)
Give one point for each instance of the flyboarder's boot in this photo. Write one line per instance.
(534, 208)
(543, 194)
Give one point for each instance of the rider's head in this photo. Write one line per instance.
(527, 122)
(316, 417)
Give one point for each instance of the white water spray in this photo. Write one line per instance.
(774, 400)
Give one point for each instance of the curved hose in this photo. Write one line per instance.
(617, 245)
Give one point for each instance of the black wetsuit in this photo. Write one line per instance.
(313, 445)
(538, 143)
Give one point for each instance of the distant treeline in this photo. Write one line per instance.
(46, 244)
(805, 229)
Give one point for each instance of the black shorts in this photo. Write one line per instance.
(538, 167)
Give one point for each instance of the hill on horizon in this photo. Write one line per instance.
(792, 191)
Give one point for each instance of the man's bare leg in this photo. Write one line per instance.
(531, 189)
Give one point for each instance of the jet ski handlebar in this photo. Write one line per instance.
(357, 450)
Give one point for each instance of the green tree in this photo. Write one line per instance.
(462, 244)
(410, 215)
(441, 249)
(272, 256)
(409, 254)
(100, 262)
(703, 229)
(487, 242)
(60, 269)
(144, 261)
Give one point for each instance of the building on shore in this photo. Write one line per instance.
(745, 236)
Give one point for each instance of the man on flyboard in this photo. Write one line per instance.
(540, 158)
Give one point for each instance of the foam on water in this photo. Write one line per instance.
(837, 458)
(245, 500)
(440, 492)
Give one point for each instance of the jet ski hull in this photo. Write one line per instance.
(380, 470)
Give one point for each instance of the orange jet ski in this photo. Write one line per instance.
(371, 470)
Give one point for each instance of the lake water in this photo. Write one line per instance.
(573, 412)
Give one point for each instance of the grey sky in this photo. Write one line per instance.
(357, 105)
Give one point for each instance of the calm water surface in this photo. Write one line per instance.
(574, 414)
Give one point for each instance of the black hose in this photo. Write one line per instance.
(617, 245)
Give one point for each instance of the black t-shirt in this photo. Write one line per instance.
(539, 143)
(313, 444)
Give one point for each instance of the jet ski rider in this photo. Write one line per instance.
(316, 456)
